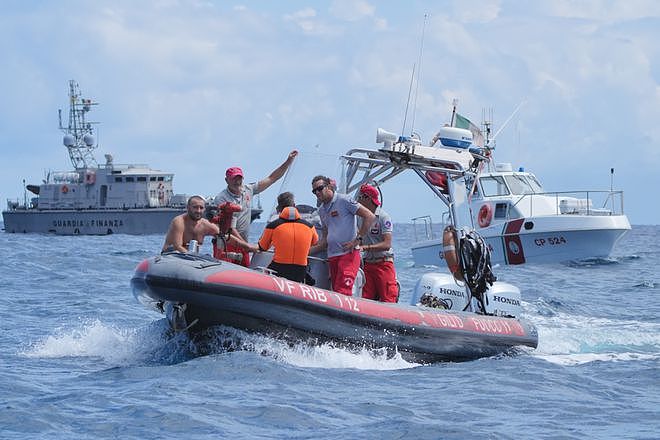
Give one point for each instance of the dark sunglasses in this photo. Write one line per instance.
(318, 189)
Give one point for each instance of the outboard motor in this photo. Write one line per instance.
(502, 299)
(440, 291)
(472, 285)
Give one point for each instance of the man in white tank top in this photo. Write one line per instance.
(377, 255)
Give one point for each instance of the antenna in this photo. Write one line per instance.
(412, 80)
(419, 73)
(405, 115)
(509, 119)
(79, 135)
(611, 189)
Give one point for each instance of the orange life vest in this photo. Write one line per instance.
(291, 236)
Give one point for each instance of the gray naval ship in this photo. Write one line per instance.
(95, 199)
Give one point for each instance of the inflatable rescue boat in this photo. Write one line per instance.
(196, 292)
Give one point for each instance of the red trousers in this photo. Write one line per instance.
(380, 282)
(343, 269)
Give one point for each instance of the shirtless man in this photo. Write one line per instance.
(189, 226)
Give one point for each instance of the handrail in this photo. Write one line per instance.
(589, 197)
(428, 226)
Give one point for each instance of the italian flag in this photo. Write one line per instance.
(463, 122)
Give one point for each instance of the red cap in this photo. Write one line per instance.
(233, 172)
(370, 192)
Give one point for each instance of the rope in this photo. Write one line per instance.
(475, 258)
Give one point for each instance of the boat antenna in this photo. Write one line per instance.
(611, 188)
(454, 104)
(419, 73)
(416, 67)
(524, 101)
(79, 134)
(405, 115)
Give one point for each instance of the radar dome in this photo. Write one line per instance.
(89, 140)
(68, 140)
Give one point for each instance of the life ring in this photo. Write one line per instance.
(485, 215)
(65, 189)
(450, 250)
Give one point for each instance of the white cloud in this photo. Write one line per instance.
(352, 10)
(225, 81)
(602, 10)
(380, 23)
(475, 11)
(308, 21)
(454, 37)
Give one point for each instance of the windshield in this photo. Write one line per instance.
(535, 184)
(493, 186)
(518, 184)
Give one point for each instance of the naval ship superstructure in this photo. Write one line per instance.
(95, 199)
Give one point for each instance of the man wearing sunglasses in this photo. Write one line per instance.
(241, 194)
(340, 236)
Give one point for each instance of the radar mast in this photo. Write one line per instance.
(79, 135)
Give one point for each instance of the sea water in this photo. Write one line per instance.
(80, 358)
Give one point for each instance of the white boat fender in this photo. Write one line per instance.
(485, 215)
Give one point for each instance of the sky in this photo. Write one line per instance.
(194, 87)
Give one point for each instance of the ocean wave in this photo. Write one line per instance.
(307, 353)
(589, 262)
(564, 336)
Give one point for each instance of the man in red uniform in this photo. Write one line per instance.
(378, 258)
(341, 237)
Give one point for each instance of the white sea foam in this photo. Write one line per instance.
(330, 356)
(583, 358)
(307, 353)
(571, 339)
(94, 338)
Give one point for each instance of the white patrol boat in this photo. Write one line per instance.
(95, 199)
(521, 222)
